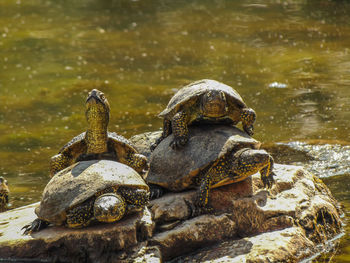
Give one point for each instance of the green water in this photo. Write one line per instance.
(290, 61)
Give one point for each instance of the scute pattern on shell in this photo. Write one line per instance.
(195, 89)
(81, 181)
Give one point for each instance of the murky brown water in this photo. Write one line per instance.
(290, 61)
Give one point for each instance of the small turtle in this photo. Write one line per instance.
(97, 142)
(204, 101)
(215, 155)
(4, 194)
(101, 190)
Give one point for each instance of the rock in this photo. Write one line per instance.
(250, 224)
(70, 245)
(278, 246)
(287, 222)
(175, 206)
(193, 234)
(143, 142)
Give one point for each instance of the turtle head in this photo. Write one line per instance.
(4, 193)
(109, 207)
(97, 108)
(214, 104)
(249, 161)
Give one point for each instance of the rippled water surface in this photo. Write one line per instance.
(290, 61)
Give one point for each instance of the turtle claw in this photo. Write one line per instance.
(34, 226)
(249, 130)
(196, 210)
(268, 181)
(155, 192)
(153, 146)
(178, 143)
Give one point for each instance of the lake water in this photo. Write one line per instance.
(289, 60)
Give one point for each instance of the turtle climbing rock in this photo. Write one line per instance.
(101, 190)
(215, 155)
(204, 101)
(97, 142)
(4, 194)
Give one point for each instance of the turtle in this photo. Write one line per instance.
(215, 155)
(97, 142)
(87, 191)
(4, 194)
(204, 101)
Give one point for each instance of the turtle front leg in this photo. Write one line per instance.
(208, 177)
(81, 215)
(35, 226)
(247, 162)
(180, 130)
(248, 117)
(58, 162)
(137, 161)
(136, 199)
(267, 174)
(166, 132)
(156, 191)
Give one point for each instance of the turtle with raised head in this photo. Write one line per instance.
(88, 191)
(4, 194)
(204, 101)
(215, 155)
(97, 142)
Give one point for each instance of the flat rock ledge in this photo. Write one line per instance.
(288, 223)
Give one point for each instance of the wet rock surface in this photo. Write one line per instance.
(250, 224)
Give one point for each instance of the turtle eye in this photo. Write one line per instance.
(102, 96)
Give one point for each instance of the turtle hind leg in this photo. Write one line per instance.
(35, 226)
(81, 215)
(166, 132)
(248, 117)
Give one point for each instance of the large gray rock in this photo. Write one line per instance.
(251, 224)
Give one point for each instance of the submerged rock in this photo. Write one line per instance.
(250, 224)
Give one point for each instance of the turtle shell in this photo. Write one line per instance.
(175, 170)
(194, 90)
(79, 182)
(78, 144)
